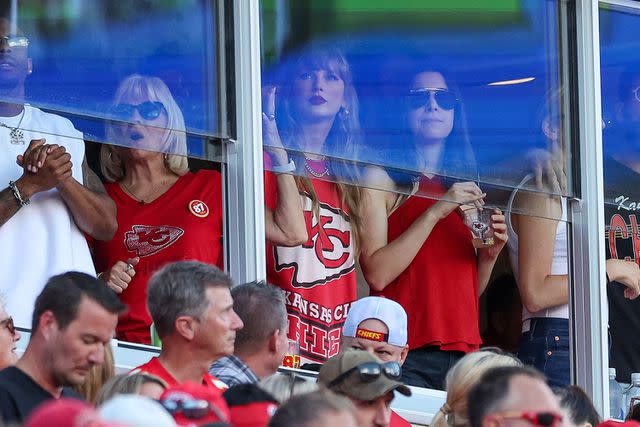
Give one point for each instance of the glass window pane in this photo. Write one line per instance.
(620, 71)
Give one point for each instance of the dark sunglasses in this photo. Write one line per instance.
(147, 110)
(444, 98)
(15, 41)
(193, 409)
(369, 372)
(8, 323)
(540, 419)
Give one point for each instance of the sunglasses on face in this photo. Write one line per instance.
(8, 323)
(15, 41)
(539, 419)
(193, 409)
(148, 110)
(370, 371)
(422, 96)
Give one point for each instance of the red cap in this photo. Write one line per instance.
(614, 423)
(189, 391)
(254, 414)
(66, 412)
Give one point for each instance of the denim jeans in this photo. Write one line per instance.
(427, 366)
(546, 347)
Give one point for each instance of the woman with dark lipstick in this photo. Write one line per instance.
(418, 250)
(317, 117)
(165, 212)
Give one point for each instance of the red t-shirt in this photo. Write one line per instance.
(397, 421)
(439, 289)
(185, 223)
(318, 277)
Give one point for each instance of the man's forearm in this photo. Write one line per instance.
(9, 205)
(94, 213)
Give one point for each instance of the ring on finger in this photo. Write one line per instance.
(271, 116)
(129, 267)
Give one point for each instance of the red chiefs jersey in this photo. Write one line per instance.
(397, 421)
(185, 223)
(439, 289)
(318, 277)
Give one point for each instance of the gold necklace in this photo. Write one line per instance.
(154, 191)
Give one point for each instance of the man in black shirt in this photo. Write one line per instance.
(74, 317)
(622, 226)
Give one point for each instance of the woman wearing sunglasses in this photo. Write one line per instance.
(9, 336)
(418, 250)
(165, 212)
(316, 119)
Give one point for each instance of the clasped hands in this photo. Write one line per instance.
(46, 166)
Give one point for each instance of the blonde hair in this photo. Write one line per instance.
(97, 377)
(462, 377)
(126, 384)
(175, 140)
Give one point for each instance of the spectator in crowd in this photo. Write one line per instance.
(98, 376)
(284, 385)
(367, 382)
(51, 195)
(192, 310)
(317, 409)
(461, 378)
(65, 412)
(165, 213)
(508, 395)
(195, 404)
(419, 248)
(621, 175)
(577, 406)
(313, 223)
(262, 343)
(250, 405)
(133, 410)
(379, 326)
(74, 319)
(142, 384)
(9, 336)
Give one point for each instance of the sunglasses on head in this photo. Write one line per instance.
(539, 419)
(444, 98)
(148, 110)
(8, 323)
(193, 409)
(369, 372)
(16, 41)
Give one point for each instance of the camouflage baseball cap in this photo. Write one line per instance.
(361, 375)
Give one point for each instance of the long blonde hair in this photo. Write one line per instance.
(97, 377)
(175, 138)
(344, 140)
(465, 374)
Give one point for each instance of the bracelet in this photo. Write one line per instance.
(289, 167)
(17, 195)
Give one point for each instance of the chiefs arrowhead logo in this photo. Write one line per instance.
(328, 253)
(147, 240)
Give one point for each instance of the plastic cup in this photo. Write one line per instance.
(479, 222)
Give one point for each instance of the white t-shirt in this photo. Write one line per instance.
(41, 239)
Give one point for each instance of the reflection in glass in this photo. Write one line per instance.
(165, 213)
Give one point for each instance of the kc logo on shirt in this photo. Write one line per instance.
(147, 240)
(326, 255)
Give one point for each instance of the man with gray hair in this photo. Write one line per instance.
(192, 309)
(262, 343)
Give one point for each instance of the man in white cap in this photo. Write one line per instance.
(379, 326)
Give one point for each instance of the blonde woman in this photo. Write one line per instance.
(464, 375)
(142, 384)
(165, 212)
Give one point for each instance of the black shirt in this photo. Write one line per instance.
(20, 395)
(622, 241)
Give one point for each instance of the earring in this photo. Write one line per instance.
(345, 111)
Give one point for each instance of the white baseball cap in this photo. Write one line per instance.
(385, 310)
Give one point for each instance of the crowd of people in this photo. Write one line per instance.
(138, 255)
